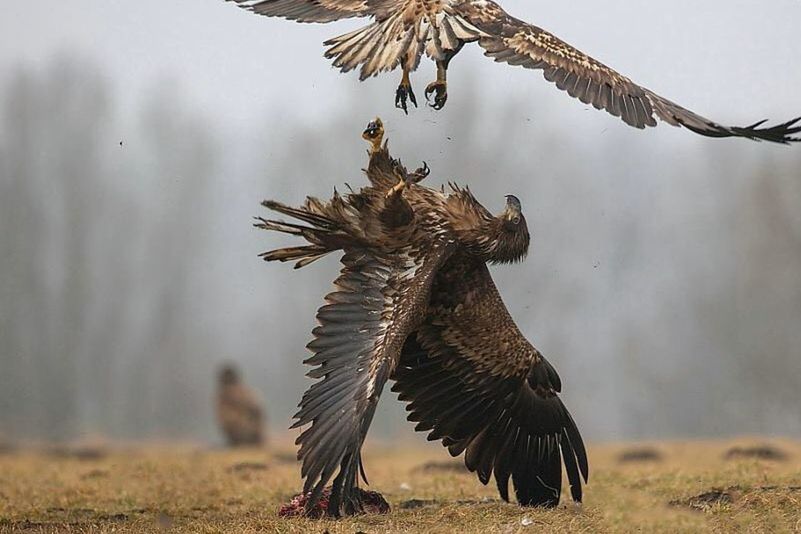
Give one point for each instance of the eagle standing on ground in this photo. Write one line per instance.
(415, 303)
(403, 30)
(239, 412)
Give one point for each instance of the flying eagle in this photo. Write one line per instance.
(415, 303)
(403, 30)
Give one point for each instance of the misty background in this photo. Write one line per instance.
(137, 140)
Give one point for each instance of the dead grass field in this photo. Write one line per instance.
(661, 487)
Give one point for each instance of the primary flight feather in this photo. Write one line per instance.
(403, 30)
(415, 303)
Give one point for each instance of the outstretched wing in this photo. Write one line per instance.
(362, 327)
(352, 362)
(474, 382)
(512, 41)
(315, 10)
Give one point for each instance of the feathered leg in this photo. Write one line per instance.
(439, 87)
(405, 91)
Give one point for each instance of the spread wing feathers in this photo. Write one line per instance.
(468, 214)
(309, 10)
(352, 362)
(512, 41)
(361, 330)
(475, 383)
(403, 36)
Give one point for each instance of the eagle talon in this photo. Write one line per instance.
(420, 174)
(403, 93)
(440, 90)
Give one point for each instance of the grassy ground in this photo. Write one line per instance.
(689, 487)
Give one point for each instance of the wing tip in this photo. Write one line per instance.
(782, 133)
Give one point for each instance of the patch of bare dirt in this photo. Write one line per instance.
(247, 467)
(640, 454)
(706, 500)
(758, 452)
(442, 467)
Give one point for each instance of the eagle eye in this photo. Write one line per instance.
(516, 219)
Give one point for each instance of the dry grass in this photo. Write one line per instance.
(686, 487)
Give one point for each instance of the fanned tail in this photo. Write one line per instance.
(385, 44)
(376, 47)
(323, 233)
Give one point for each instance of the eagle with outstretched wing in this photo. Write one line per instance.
(403, 30)
(415, 304)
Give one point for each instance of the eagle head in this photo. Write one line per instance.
(511, 238)
(228, 375)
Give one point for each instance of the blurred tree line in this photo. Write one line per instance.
(665, 285)
(98, 242)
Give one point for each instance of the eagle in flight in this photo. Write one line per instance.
(403, 30)
(415, 303)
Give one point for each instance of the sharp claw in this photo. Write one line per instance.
(420, 174)
(440, 93)
(412, 97)
(400, 98)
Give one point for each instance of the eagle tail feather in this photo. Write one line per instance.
(323, 233)
(376, 48)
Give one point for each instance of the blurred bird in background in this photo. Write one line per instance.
(239, 410)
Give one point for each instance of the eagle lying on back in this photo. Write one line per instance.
(403, 30)
(415, 303)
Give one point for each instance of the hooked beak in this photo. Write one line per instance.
(513, 208)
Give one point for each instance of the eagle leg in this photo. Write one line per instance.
(405, 91)
(439, 87)
(397, 211)
(403, 182)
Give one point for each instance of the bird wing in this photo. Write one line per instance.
(512, 41)
(474, 382)
(362, 326)
(316, 10)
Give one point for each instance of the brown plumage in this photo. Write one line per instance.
(415, 303)
(403, 30)
(239, 411)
